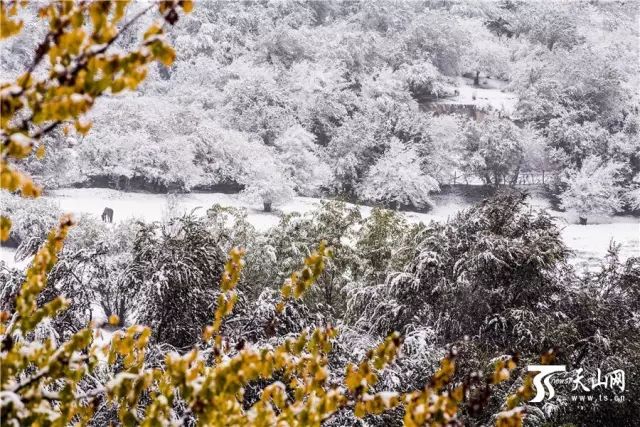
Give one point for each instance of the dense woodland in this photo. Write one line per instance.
(328, 98)
(334, 99)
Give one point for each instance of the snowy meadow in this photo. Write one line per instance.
(320, 213)
(589, 243)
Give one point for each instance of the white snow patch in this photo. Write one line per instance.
(7, 257)
(490, 94)
(152, 207)
(589, 242)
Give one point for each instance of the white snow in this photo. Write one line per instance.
(7, 256)
(490, 94)
(590, 242)
(155, 207)
(102, 338)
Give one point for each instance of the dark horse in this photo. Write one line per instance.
(107, 215)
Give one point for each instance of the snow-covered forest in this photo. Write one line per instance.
(456, 182)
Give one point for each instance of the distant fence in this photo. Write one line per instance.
(468, 110)
(524, 178)
(533, 178)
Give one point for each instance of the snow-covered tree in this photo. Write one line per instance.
(493, 150)
(254, 101)
(366, 135)
(487, 54)
(266, 180)
(430, 37)
(397, 179)
(444, 151)
(584, 84)
(302, 161)
(172, 269)
(632, 195)
(423, 80)
(285, 46)
(385, 83)
(551, 25)
(222, 155)
(317, 91)
(536, 159)
(593, 189)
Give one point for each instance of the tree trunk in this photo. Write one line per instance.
(516, 174)
(476, 79)
(267, 206)
(583, 220)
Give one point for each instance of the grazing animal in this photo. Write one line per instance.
(107, 215)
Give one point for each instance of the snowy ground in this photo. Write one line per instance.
(491, 93)
(589, 242)
(6, 256)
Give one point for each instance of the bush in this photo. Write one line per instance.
(490, 259)
(31, 221)
(173, 268)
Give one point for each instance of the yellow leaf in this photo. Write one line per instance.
(40, 152)
(167, 56)
(153, 30)
(83, 126)
(5, 228)
(187, 6)
(121, 6)
(30, 189)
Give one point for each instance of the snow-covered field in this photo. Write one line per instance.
(490, 94)
(589, 242)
